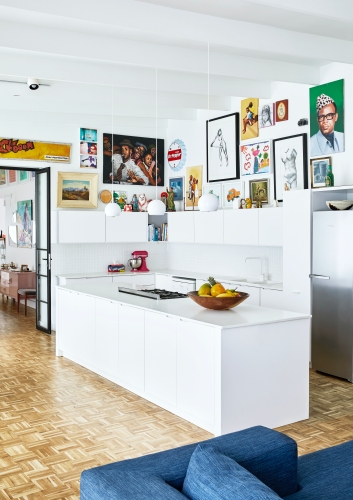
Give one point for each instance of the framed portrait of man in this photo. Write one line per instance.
(327, 119)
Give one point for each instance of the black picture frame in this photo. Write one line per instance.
(297, 171)
(223, 129)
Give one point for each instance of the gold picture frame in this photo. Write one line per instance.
(77, 190)
(259, 190)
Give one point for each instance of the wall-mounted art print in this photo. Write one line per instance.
(193, 187)
(22, 149)
(267, 117)
(23, 176)
(281, 114)
(88, 148)
(231, 191)
(176, 155)
(88, 134)
(133, 160)
(77, 190)
(319, 167)
(24, 223)
(12, 176)
(327, 119)
(249, 115)
(290, 164)
(255, 158)
(222, 136)
(177, 184)
(88, 161)
(215, 189)
(259, 190)
(2, 177)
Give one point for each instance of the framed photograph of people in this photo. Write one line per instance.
(327, 118)
(222, 139)
(259, 190)
(318, 168)
(193, 187)
(177, 184)
(290, 164)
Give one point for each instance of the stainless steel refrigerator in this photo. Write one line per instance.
(332, 293)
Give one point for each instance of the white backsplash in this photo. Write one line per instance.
(210, 259)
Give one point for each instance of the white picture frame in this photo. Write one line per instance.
(228, 190)
(215, 189)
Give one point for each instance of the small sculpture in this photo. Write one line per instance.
(164, 197)
(142, 203)
(135, 203)
(248, 203)
(170, 200)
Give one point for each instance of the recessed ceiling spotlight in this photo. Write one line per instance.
(33, 83)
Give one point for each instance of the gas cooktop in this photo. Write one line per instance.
(156, 294)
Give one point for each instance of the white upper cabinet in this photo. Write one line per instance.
(209, 227)
(181, 227)
(241, 227)
(81, 226)
(271, 227)
(128, 227)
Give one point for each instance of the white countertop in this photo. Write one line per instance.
(240, 316)
(186, 274)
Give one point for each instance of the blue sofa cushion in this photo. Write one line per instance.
(326, 474)
(267, 454)
(214, 476)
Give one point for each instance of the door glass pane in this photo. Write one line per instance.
(41, 200)
(42, 262)
(42, 314)
(43, 289)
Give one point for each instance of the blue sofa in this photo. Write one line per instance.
(267, 454)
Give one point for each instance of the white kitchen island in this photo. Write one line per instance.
(222, 370)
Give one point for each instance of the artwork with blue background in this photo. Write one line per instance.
(176, 184)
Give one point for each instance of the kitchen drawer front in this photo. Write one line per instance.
(134, 279)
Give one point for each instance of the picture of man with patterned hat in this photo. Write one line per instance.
(326, 140)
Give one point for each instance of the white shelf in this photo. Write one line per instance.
(334, 188)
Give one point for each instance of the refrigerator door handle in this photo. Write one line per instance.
(319, 276)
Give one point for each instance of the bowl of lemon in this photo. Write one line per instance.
(213, 295)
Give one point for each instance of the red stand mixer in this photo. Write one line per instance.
(138, 261)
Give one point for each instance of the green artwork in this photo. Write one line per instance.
(23, 175)
(327, 118)
(24, 223)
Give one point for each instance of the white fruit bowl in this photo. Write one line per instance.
(340, 204)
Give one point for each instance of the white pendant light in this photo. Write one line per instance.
(112, 209)
(156, 207)
(208, 203)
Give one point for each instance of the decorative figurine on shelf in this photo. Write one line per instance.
(170, 200)
(128, 208)
(164, 197)
(248, 203)
(135, 203)
(142, 203)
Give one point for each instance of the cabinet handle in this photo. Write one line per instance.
(295, 291)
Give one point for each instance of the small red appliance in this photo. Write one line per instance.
(136, 255)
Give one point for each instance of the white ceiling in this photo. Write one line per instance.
(82, 48)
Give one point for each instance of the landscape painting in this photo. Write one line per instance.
(24, 224)
(77, 190)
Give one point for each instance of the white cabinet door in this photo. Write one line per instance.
(163, 282)
(272, 298)
(241, 227)
(271, 227)
(81, 227)
(160, 356)
(209, 227)
(65, 327)
(129, 226)
(80, 281)
(297, 250)
(107, 336)
(181, 227)
(132, 346)
(85, 328)
(196, 370)
(134, 279)
(254, 292)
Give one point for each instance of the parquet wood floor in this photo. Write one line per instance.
(57, 418)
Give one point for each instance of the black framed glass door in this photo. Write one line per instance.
(43, 250)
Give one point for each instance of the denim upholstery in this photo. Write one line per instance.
(214, 476)
(267, 454)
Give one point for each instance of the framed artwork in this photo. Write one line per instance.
(22, 149)
(249, 118)
(255, 158)
(290, 164)
(88, 148)
(230, 191)
(133, 160)
(32, 175)
(222, 139)
(88, 135)
(267, 117)
(193, 187)
(24, 268)
(281, 110)
(327, 118)
(177, 184)
(2, 177)
(77, 190)
(215, 189)
(318, 168)
(88, 161)
(24, 224)
(23, 176)
(12, 176)
(259, 190)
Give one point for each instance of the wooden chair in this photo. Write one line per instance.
(25, 292)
